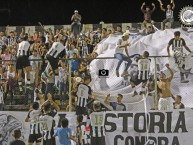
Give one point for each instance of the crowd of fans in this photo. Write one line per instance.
(80, 50)
(81, 45)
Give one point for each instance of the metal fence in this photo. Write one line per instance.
(66, 99)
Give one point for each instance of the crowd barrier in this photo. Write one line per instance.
(129, 128)
(132, 103)
(85, 27)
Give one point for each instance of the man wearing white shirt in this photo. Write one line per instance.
(53, 56)
(72, 50)
(63, 76)
(23, 61)
(35, 64)
(121, 46)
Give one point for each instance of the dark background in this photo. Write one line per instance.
(55, 12)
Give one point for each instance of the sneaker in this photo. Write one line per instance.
(125, 74)
(117, 73)
(134, 94)
(29, 87)
(20, 88)
(184, 81)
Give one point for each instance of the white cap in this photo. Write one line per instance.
(76, 11)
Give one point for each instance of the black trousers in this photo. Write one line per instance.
(98, 140)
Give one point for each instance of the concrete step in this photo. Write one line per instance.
(23, 107)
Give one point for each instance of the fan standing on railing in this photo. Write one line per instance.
(179, 56)
(147, 13)
(169, 13)
(53, 54)
(23, 62)
(142, 75)
(76, 23)
(122, 45)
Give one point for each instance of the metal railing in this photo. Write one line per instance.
(70, 77)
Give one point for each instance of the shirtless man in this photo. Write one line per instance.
(165, 101)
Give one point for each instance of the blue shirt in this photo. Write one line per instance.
(70, 52)
(63, 135)
(118, 107)
(75, 65)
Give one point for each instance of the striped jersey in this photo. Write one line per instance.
(47, 124)
(56, 49)
(83, 94)
(34, 121)
(63, 74)
(97, 120)
(169, 14)
(10, 41)
(23, 48)
(143, 69)
(177, 45)
(82, 129)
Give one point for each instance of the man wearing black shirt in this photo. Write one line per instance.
(17, 135)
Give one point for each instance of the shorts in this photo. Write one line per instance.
(34, 138)
(51, 141)
(98, 140)
(165, 103)
(53, 62)
(22, 62)
(81, 110)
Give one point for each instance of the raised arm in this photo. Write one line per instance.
(22, 33)
(153, 7)
(173, 4)
(161, 6)
(171, 72)
(27, 119)
(43, 27)
(143, 4)
(55, 106)
(29, 33)
(107, 99)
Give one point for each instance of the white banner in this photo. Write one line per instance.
(165, 128)
(122, 128)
